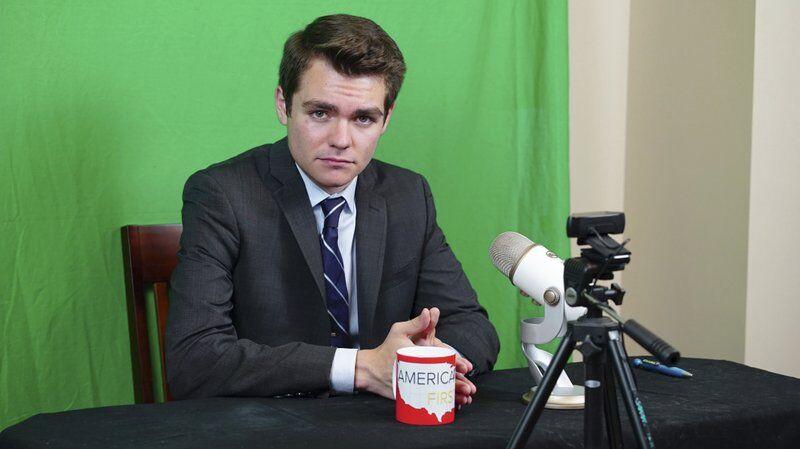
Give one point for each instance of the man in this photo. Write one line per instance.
(303, 262)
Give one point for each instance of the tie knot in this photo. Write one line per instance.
(332, 208)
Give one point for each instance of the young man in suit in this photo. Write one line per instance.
(305, 264)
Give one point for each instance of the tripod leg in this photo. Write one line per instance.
(613, 425)
(536, 406)
(594, 391)
(629, 393)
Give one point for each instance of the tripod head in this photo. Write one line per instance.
(599, 261)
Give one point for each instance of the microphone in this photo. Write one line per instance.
(540, 274)
(507, 253)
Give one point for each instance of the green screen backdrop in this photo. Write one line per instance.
(107, 108)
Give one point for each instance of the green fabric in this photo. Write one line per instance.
(108, 107)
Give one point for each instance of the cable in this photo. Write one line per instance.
(603, 306)
(600, 237)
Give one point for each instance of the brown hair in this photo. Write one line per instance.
(354, 46)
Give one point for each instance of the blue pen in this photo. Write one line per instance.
(651, 365)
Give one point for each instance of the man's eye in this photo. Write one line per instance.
(364, 120)
(319, 115)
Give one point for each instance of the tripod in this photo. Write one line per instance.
(605, 359)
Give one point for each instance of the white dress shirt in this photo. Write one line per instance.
(343, 370)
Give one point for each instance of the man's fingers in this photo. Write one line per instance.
(428, 336)
(463, 365)
(463, 388)
(414, 326)
(463, 399)
(421, 322)
(434, 319)
(466, 362)
(462, 380)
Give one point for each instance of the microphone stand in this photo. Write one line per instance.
(599, 340)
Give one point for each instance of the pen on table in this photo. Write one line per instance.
(651, 365)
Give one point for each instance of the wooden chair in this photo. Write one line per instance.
(150, 255)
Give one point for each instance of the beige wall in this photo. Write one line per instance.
(665, 91)
(773, 305)
(598, 60)
(690, 80)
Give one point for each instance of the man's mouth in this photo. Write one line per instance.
(335, 161)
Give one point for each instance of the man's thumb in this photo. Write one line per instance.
(415, 326)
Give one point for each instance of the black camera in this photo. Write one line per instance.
(599, 260)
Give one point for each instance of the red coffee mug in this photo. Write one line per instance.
(425, 385)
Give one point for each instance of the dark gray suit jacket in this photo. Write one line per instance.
(247, 312)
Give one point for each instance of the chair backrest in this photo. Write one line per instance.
(150, 255)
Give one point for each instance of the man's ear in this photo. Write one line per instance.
(388, 117)
(280, 106)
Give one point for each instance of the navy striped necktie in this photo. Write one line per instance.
(336, 296)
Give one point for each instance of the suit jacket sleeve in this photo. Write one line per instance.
(203, 353)
(463, 323)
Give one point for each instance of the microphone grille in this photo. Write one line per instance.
(507, 249)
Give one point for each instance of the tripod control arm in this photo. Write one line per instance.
(663, 351)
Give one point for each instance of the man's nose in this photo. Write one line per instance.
(340, 135)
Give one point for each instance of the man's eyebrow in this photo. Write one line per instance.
(325, 106)
(373, 111)
(320, 105)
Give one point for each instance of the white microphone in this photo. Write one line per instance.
(540, 274)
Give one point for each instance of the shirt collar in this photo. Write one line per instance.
(316, 193)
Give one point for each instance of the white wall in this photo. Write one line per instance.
(773, 304)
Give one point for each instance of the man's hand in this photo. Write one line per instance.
(464, 387)
(374, 366)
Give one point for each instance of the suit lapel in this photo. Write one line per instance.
(290, 194)
(370, 241)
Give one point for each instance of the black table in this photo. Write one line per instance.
(725, 405)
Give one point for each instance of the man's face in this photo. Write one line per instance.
(335, 123)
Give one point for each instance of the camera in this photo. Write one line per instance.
(599, 259)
